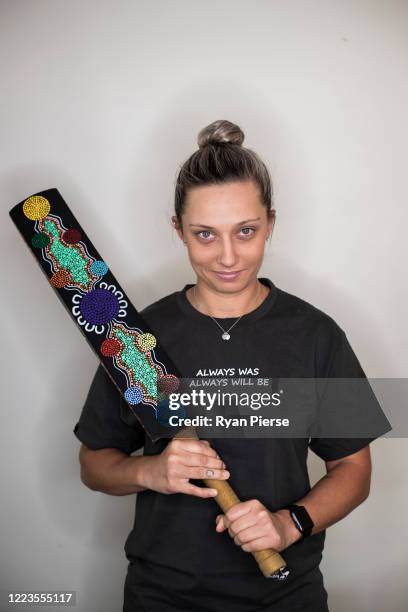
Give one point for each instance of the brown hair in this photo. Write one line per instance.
(221, 158)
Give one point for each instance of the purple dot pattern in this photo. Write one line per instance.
(99, 306)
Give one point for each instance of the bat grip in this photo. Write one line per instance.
(270, 562)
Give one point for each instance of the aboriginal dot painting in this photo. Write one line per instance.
(126, 346)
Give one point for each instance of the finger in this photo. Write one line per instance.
(244, 522)
(221, 523)
(251, 533)
(194, 446)
(205, 492)
(258, 544)
(208, 450)
(204, 472)
(239, 510)
(200, 460)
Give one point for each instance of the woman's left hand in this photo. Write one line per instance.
(253, 527)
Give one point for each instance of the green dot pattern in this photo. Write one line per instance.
(69, 258)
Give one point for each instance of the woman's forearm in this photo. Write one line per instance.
(111, 471)
(333, 497)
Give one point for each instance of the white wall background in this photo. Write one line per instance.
(104, 100)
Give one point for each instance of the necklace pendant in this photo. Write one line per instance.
(225, 336)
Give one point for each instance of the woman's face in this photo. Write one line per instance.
(225, 228)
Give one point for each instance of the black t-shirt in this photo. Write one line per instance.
(177, 559)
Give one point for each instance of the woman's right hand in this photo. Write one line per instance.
(184, 458)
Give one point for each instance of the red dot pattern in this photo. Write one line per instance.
(110, 347)
(168, 383)
(72, 236)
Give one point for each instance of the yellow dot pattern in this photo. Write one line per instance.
(36, 207)
(146, 342)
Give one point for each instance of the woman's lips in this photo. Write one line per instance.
(228, 276)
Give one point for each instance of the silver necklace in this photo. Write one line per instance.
(225, 332)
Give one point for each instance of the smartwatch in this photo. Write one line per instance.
(301, 518)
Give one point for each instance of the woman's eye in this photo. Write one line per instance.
(205, 234)
(202, 232)
(251, 229)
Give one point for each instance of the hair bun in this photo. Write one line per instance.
(220, 132)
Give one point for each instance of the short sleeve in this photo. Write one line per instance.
(100, 424)
(350, 402)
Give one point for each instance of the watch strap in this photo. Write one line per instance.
(301, 519)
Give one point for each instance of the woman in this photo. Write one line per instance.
(183, 553)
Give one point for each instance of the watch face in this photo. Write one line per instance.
(297, 522)
(302, 519)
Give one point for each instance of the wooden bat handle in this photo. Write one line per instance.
(270, 561)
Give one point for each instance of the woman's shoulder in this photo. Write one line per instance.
(164, 307)
(306, 313)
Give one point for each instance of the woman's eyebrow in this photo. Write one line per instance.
(209, 226)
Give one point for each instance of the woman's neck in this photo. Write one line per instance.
(226, 305)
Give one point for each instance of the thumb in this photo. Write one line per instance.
(220, 527)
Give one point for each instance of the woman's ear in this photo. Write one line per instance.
(177, 227)
(271, 222)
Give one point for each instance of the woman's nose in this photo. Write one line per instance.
(227, 255)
